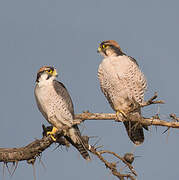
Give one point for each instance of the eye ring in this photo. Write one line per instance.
(104, 46)
(49, 71)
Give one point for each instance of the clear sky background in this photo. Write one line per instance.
(66, 34)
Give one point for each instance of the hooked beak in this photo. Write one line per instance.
(55, 73)
(99, 49)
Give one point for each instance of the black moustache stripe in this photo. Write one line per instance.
(38, 76)
(49, 76)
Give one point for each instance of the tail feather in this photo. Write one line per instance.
(81, 148)
(78, 142)
(135, 132)
(134, 129)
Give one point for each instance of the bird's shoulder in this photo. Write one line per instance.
(133, 60)
(61, 90)
(59, 86)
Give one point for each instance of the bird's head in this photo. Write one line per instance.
(109, 48)
(46, 73)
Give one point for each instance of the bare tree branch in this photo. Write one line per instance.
(155, 120)
(151, 101)
(28, 152)
(31, 151)
(174, 117)
(35, 148)
(113, 165)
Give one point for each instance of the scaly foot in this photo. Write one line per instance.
(51, 133)
(121, 112)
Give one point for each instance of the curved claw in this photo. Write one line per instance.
(121, 112)
(51, 133)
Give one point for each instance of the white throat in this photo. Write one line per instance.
(45, 81)
(110, 53)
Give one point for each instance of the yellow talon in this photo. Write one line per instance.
(51, 133)
(121, 112)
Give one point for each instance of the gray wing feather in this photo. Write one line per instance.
(74, 136)
(132, 59)
(64, 109)
(62, 91)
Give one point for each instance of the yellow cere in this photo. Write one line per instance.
(55, 73)
(99, 48)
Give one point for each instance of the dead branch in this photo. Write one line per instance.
(121, 158)
(113, 165)
(155, 120)
(35, 148)
(151, 101)
(174, 117)
(31, 151)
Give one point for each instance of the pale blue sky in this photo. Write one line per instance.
(66, 34)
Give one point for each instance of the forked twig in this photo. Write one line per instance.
(151, 101)
(113, 165)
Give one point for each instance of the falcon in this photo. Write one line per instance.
(55, 104)
(123, 84)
